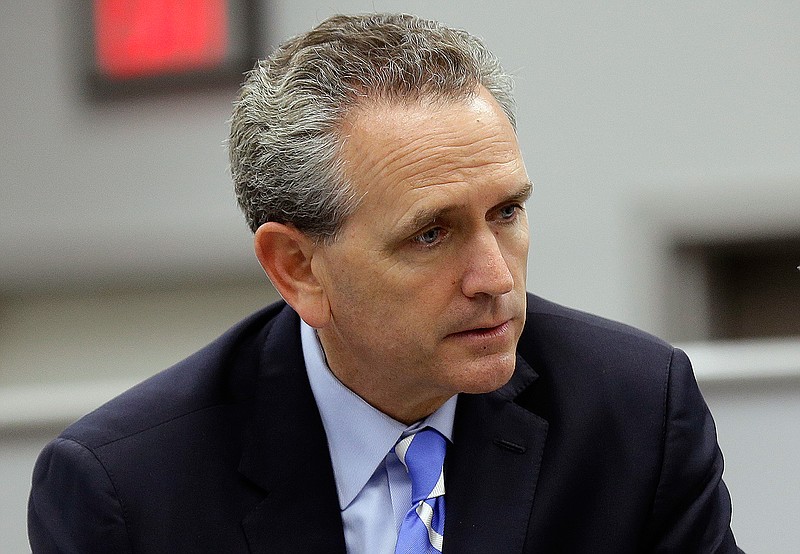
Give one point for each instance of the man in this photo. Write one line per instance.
(408, 394)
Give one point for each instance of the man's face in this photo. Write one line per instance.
(426, 281)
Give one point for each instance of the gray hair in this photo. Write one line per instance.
(285, 142)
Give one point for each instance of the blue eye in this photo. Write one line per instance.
(429, 237)
(508, 212)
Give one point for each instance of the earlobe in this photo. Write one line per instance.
(285, 254)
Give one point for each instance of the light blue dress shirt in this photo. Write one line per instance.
(374, 488)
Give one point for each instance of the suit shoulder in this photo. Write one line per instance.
(218, 374)
(576, 349)
(592, 371)
(549, 318)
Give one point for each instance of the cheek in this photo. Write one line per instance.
(367, 287)
(518, 251)
(370, 286)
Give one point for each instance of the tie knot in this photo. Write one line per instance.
(422, 454)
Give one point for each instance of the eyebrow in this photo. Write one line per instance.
(425, 217)
(522, 195)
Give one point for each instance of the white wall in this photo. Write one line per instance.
(640, 124)
(757, 426)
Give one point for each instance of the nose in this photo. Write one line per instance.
(487, 272)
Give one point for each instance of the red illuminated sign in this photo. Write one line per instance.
(148, 38)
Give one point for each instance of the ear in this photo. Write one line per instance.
(285, 254)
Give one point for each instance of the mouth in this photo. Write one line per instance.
(488, 332)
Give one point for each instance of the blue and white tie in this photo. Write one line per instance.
(422, 454)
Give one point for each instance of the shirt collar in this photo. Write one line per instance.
(359, 436)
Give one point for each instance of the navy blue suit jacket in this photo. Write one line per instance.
(601, 442)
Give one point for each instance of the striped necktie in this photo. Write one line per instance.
(422, 454)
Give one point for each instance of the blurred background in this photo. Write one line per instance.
(663, 140)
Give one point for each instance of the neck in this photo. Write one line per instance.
(387, 394)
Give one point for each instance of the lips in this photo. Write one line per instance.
(485, 331)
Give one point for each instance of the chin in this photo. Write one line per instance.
(488, 374)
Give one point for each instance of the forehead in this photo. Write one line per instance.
(396, 155)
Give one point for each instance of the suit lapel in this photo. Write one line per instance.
(492, 469)
(285, 453)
